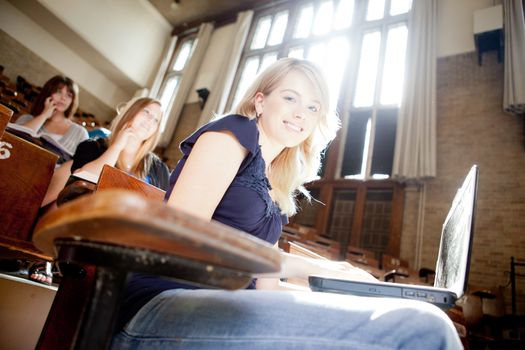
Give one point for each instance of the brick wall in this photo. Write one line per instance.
(19, 60)
(472, 129)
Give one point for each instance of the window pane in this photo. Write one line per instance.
(268, 59)
(167, 96)
(355, 144)
(394, 68)
(323, 18)
(398, 7)
(366, 77)
(344, 14)
(334, 64)
(384, 143)
(169, 90)
(248, 74)
(183, 56)
(376, 226)
(375, 10)
(278, 28)
(316, 53)
(304, 24)
(261, 33)
(296, 52)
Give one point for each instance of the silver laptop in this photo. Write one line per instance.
(452, 266)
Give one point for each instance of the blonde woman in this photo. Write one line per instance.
(134, 134)
(244, 171)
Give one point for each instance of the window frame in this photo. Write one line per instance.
(172, 73)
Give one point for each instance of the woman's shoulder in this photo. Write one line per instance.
(24, 118)
(79, 130)
(243, 128)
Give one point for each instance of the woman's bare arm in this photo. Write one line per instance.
(207, 174)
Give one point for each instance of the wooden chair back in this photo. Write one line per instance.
(5, 116)
(111, 178)
(26, 173)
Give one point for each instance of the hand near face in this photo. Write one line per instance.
(125, 136)
(49, 107)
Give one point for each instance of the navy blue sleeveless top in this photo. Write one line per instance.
(246, 206)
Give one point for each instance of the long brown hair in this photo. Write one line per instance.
(143, 158)
(294, 166)
(49, 88)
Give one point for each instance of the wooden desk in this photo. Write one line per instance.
(119, 232)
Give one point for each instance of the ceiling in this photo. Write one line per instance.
(185, 13)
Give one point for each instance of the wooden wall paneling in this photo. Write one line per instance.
(396, 221)
(359, 213)
(323, 215)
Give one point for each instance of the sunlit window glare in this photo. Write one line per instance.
(323, 18)
(344, 14)
(366, 79)
(306, 16)
(296, 52)
(268, 59)
(278, 28)
(375, 10)
(334, 64)
(261, 33)
(248, 74)
(398, 7)
(169, 90)
(184, 54)
(394, 69)
(316, 53)
(380, 176)
(365, 149)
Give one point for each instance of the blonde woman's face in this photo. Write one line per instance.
(146, 121)
(291, 111)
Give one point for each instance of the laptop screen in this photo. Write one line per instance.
(453, 262)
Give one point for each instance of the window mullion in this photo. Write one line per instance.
(371, 140)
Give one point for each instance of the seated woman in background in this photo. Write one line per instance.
(51, 115)
(244, 170)
(135, 132)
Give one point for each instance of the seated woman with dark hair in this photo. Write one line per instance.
(51, 115)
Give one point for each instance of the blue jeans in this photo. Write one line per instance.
(256, 319)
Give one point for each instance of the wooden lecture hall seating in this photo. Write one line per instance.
(26, 172)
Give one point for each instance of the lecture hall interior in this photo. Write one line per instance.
(422, 94)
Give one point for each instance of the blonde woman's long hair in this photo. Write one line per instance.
(298, 165)
(125, 114)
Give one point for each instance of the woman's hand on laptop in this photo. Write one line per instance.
(341, 270)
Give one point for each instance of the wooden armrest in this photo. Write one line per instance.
(74, 190)
(144, 227)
